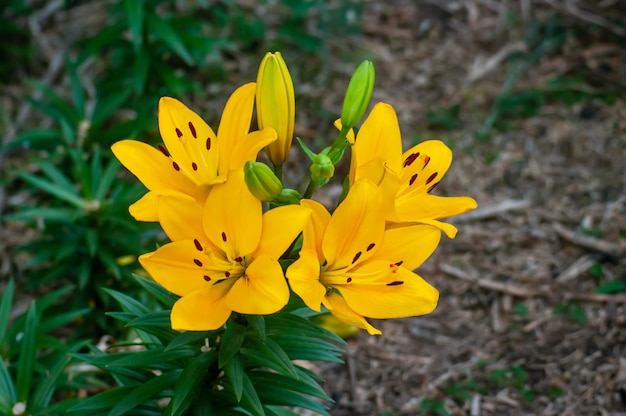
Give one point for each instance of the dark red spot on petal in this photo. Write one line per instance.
(412, 180)
(396, 283)
(163, 150)
(176, 167)
(426, 160)
(223, 236)
(238, 259)
(410, 159)
(179, 133)
(194, 166)
(208, 143)
(193, 130)
(198, 262)
(227, 274)
(348, 280)
(207, 278)
(198, 245)
(432, 187)
(400, 263)
(431, 178)
(371, 246)
(356, 257)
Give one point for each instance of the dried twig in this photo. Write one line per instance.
(613, 249)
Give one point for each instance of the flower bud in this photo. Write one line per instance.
(261, 181)
(358, 94)
(276, 105)
(322, 169)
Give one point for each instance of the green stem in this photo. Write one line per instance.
(278, 171)
(308, 193)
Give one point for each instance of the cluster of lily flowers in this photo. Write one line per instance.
(241, 242)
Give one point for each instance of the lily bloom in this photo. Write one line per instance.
(406, 179)
(194, 158)
(353, 266)
(230, 261)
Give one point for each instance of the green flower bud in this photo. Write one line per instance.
(358, 94)
(289, 196)
(322, 169)
(261, 181)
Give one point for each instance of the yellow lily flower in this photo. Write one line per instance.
(230, 261)
(406, 179)
(276, 104)
(194, 158)
(356, 268)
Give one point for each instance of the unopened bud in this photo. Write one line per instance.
(322, 169)
(261, 181)
(358, 94)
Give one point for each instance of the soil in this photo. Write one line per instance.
(520, 328)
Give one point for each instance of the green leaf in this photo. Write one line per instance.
(267, 353)
(70, 196)
(57, 320)
(190, 381)
(278, 381)
(274, 389)
(134, 14)
(57, 175)
(250, 399)
(76, 86)
(92, 240)
(5, 310)
(231, 342)
(152, 358)
(102, 401)
(26, 361)
(257, 323)
(156, 290)
(141, 71)
(106, 105)
(187, 338)
(162, 30)
(107, 179)
(234, 372)
(156, 323)
(37, 139)
(127, 303)
(8, 396)
(151, 389)
(615, 286)
(62, 215)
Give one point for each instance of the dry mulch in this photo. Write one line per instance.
(519, 328)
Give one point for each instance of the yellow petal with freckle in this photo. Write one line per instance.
(314, 229)
(414, 206)
(150, 166)
(232, 218)
(174, 266)
(410, 245)
(448, 229)
(303, 275)
(423, 166)
(145, 208)
(281, 226)
(190, 141)
(202, 310)
(342, 311)
(263, 289)
(180, 216)
(355, 227)
(408, 295)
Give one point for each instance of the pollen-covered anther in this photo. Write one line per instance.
(371, 247)
(413, 178)
(410, 159)
(431, 178)
(356, 257)
(176, 167)
(426, 161)
(396, 283)
(394, 267)
(198, 245)
(179, 133)
(197, 262)
(192, 129)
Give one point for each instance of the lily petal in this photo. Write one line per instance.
(202, 310)
(150, 166)
(263, 289)
(175, 266)
(314, 229)
(423, 167)
(356, 226)
(303, 275)
(414, 205)
(145, 208)
(190, 141)
(408, 295)
(248, 147)
(409, 246)
(232, 218)
(340, 308)
(180, 216)
(280, 227)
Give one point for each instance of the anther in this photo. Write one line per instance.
(179, 133)
(356, 257)
(198, 245)
(412, 179)
(193, 130)
(431, 178)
